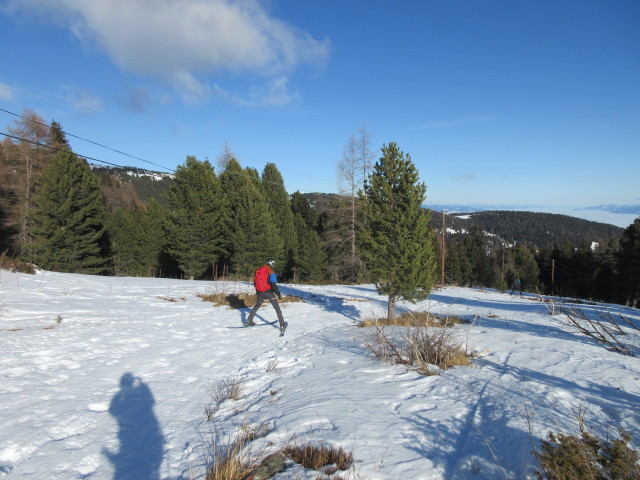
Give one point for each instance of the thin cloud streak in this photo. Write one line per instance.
(460, 121)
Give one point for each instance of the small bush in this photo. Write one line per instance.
(228, 388)
(566, 457)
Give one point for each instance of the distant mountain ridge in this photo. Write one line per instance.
(619, 215)
(539, 229)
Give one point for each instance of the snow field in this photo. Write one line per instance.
(61, 381)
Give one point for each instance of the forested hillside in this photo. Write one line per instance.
(540, 229)
(145, 183)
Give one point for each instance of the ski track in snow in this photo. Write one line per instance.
(96, 369)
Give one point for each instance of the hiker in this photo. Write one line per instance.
(265, 281)
(517, 285)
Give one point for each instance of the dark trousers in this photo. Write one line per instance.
(271, 297)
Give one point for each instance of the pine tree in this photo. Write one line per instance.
(310, 257)
(629, 265)
(526, 268)
(280, 207)
(300, 204)
(254, 233)
(197, 222)
(153, 219)
(395, 240)
(68, 219)
(57, 137)
(124, 242)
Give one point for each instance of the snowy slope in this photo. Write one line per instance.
(109, 378)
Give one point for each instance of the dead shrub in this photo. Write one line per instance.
(605, 329)
(228, 388)
(417, 347)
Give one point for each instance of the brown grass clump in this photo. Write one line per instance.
(323, 458)
(237, 461)
(240, 300)
(232, 462)
(414, 319)
(15, 264)
(172, 299)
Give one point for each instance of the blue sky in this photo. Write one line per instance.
(514, 102)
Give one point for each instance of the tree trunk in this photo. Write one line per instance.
(391, 307)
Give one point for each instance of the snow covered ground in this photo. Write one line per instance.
(110, 377)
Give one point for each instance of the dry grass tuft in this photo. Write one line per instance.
(15, 264)
(240, 300)
(173, 300)
(324, 458)
(233, 461)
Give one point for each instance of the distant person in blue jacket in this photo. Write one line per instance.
(517, 285)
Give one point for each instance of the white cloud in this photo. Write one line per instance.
(6, 92)
(84, 101)
(274, 92)
(178, 40)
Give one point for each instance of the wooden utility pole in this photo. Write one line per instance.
(444, 234)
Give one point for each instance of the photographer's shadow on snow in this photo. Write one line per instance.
(139, 433)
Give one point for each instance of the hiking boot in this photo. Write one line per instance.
(249, 324)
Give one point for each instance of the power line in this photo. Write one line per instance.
(57, 149)
(172, 171)
(86, 140)
(237, 194)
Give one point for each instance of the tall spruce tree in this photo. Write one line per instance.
(311, 260)
(152, 219)
(124, 242)
(68, 218)
(629, 265)
(254, 233)
(280, 207)
(395, 240)
(197, 221)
